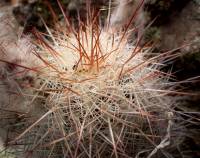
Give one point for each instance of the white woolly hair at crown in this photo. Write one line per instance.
(87, 92)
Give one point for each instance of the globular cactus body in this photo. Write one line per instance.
(90, 93)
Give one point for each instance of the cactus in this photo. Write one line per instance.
(88, 92)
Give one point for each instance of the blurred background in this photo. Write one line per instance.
(177, 22)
